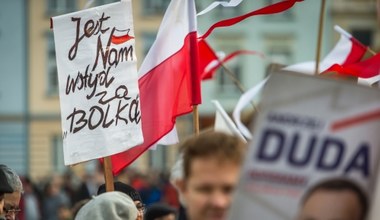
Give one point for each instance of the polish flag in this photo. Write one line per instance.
(347, 50)
(365, 69)
(168, 79)
(206, 57)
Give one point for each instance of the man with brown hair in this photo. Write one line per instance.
(211, 162)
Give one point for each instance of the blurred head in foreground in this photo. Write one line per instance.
(334, 199)
(211, 163)
(110, 205)
(160, 211)
(131, 192)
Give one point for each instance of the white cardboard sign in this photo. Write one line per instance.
(308, 129)
(98, 82)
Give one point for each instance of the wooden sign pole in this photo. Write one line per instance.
(107, 168)
(196, 119)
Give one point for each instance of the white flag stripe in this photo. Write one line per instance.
(176, 19)
(232, 3)
(340, 30)
(224, 123)
(337, 56)
(243, 102)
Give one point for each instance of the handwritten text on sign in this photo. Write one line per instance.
(98, 82)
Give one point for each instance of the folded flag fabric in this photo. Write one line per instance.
(347, 50)
(365, 69)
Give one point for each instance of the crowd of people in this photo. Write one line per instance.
(155, 196)
(199, 187)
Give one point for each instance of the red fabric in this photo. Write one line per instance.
(206, 56)
(165, 93)
(355, 120)
(364, 69)
(271, 9)
(121, 39)
(209, 74)
(357, 52)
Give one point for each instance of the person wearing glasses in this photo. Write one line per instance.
(131, 192)
(12, 200)
(5, 187)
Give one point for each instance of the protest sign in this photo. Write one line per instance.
(309, 129)
(98, 87)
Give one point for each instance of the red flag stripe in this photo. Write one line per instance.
(271, 9)
(206, 55)
(121, 39)
(165, 93)
(364, 69)
(374, 115)
(357, 51)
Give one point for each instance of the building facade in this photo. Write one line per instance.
(13, 86)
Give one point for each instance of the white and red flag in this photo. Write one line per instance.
(347, 50)
(169, 79)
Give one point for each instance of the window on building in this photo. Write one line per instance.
(279, 48)
(57, 157)
(52, 73)
(228, 12)
(365, 36)
(104, 2)
(228, 77)
(60, 6)
(231, 73)
(155, 7)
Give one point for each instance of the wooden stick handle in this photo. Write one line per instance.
(196, 119)
(371, 51)
(107, 166)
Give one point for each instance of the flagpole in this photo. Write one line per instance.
(237, 83)
(107, 168)
(320, 31)
(196, 119)
(371, 51)
(233, 78)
